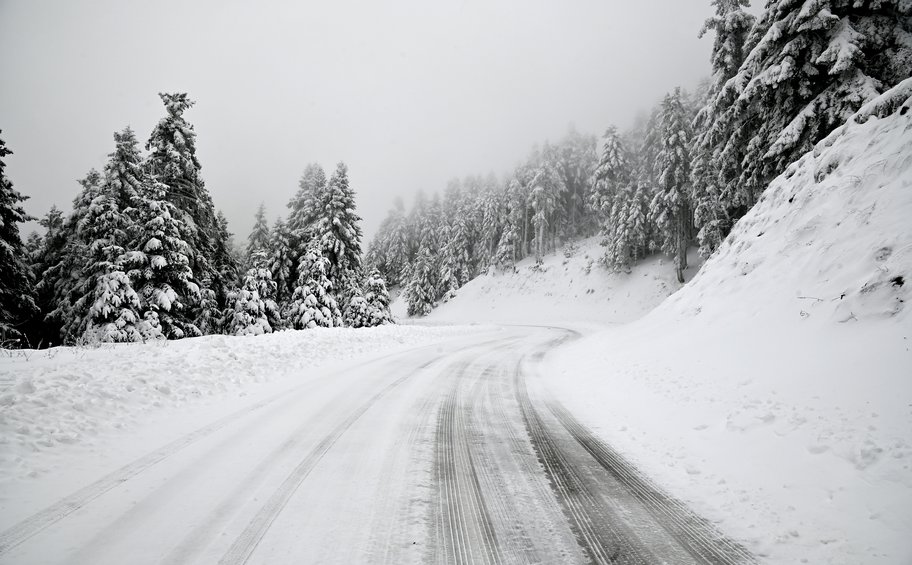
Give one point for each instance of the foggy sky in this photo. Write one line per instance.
(408, 94)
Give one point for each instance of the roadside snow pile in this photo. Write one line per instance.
(568, 286)
(774, 392)
(66, 394)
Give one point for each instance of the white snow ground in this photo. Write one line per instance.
(774, 391)
(63, 408)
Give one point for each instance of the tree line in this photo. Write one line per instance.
(144, 254)
(683, 174)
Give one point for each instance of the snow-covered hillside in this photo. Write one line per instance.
(773, 392)
(569, 286)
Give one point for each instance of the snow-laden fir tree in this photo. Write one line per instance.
(305, 206)
(258, 240)
(338, 226)
(378, 300)
(547, 189)
(670, 207)
(44, 262)
(339, 231)
(17, 300)
(173, 161)
(612, 173)
(628, 238)
(388, 251)
(159, 263)
(420, 292)
(104, 222)
(313, 302)
(225, 277)
(114, 315)
(281, 261)
(809, 66)
(72, 276)
(250, 306)
(731, 25)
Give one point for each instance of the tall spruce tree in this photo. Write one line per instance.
(17, 299)
(314, 303)
(339, 231)
(258, 240)
(159, 263)
(173, 162)
(810, 65)
(670, 208)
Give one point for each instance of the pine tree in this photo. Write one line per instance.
(46, 263)
(421, 289)
(670, 208)
(313, 303)
(305, 207)
(281, 261)
(810, 65)
(250, 306)
(377, 298)
(159, 263)
(258, 240)
(173, 161)
(338, 225)
(731, 25)
(339, 232)
(73, 276)
(226, 274)
(114, 314)
(17, 299)
(388, 252)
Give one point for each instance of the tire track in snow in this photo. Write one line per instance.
(695, 533)
(603, 539)
(34, 524)
(246, 543)
(465, 532)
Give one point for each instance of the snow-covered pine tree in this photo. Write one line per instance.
(670, 207)
(628, 241)
(72, 276)
(547, 189)
(313, 302)
(339, 232)
(114, 314)
(44, 329)
(731, 25)
(576, 160)
(611, 174)
(17, 299)
(809, 66)
(421, 288)
(388, 251)
(281, 261)
(173, 162)
(250, 306)
(159, 263)
(305, 206)
(377, 299)
(103, 215)
(258, 241)
(225, 277)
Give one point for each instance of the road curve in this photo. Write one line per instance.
(453, 454)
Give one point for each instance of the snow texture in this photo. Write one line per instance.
(772, 392)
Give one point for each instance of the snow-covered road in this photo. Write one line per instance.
(450, 453)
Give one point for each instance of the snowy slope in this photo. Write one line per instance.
(773, 392)
(570, 286)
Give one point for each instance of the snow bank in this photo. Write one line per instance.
(570, 286)
(64, 395)
(773, 392)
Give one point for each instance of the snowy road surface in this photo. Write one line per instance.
(451, 453)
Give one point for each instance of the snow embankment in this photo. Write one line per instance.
(569, 286)
(774, 391)
(70, 395)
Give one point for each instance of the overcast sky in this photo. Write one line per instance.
(408, 94)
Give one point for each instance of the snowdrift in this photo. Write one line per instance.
(773, 391)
